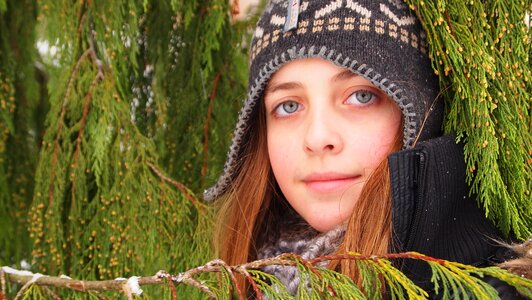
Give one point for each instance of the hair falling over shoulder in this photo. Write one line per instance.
(369, 228)
(242, 209)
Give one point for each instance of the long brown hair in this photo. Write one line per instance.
(243, 208)
(249, 210)
(369, 228)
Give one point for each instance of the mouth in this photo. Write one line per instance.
(329, 182)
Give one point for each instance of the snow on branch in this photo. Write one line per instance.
(448, 277)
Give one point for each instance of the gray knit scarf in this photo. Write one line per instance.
(305, 242)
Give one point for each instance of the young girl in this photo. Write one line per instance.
(338, 146)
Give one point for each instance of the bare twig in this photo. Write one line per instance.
(448, 17)
(232, 276)
(80, 285)
(181, 187)
(207, 125)
(172, 288)
(250, 280)
(187, 279)
(24, 288)
(307, 263)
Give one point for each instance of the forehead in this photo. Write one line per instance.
(310, 68)
(318, 66)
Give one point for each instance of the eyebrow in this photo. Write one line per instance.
(271, 88)
(283, 86)
(344, 75)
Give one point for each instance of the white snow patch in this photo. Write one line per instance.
(36, 277)
(12, 271)
(133, 283)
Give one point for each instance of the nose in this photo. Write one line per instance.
(322, 134)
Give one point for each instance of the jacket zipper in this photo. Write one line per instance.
(413, 230)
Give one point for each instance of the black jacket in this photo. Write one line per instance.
(432, 212)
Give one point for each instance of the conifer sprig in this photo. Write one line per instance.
(218, 280)
(124, 149)
(481, 52)
(102, 207)
(23, 98)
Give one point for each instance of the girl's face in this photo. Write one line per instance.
(327, 130)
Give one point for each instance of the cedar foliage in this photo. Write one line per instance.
(23, 105)
(481, 51)
(104, 145)
(131, 89)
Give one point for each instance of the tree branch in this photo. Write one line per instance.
(99, 77)
(172, 287)
(60, 122)
(181, 187)
(26, 278)
(207, 125)
(79, 285)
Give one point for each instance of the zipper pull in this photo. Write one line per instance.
(292, 15)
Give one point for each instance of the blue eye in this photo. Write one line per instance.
(287, 108)
(362, 97)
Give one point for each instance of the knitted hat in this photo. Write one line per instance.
(381, 41)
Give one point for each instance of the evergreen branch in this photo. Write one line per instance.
(99, 76)
(449, 23)
(207, 125)
(250, 280)
(481, 51)
(60, 122)
(24, 288)
(81, 18)
(458, 278)
(187, 278)
(98, 295)
(356, 256)
(222, 264)
(51, 293)
(306, 263)
(181, 187)
(172, 288)
(90, 52)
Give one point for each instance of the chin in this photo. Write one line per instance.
(324, 218)
(325, 225)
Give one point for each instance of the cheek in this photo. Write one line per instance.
(281, 153)
(378, 141)
(382, 145)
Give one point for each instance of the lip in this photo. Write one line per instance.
(329, 182)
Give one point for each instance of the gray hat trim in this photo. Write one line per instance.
(255, 92)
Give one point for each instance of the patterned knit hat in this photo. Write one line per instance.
(380, 40)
